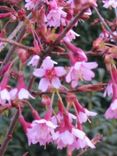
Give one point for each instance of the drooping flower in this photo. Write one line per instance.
(75, 54)
(82, 113)
(66, 135)
(49, 74)
(111, 112)
(5, 97)
(81, 71)
(30, 4)
(109, 89)
(71, 35)
(40, 132)
(20, 92)
(34, 61)
(56, 17)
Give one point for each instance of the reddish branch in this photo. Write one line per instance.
(17, 44)
(83, 88)
(9, 134)
(68, 27)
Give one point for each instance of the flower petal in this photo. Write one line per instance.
(43, 84)
(56, 82)
(24, 94)
(39, 72)
(60, 71)
(48, 63)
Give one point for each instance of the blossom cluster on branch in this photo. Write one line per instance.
(48, 26)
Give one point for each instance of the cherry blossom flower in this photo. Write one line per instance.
(82, 113)
(82, 140)
(71, 35)
(40, 132)
(30, 4)
(5, 97)
(110, 3)
(49, 74)
(74, 139)
(63, 139)
(75, 54)
(20, 92)
(34, 61)
(111, 112)
(81, 71)
(109, 90)
(56, 17)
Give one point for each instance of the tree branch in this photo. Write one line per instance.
(9, 134)
(83, 88)
(17, 44)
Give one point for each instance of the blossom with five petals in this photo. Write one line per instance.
(49, 74)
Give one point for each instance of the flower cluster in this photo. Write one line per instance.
(53, 70)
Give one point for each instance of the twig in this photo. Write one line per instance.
(95, 140)
(17, 44)
(83, 88)
(9, 134)
(104, 23)
(12, 35)
(68, 27)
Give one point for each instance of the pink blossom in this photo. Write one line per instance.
(20, 92)
(81, 71)
(109, 89)
(73, 139)
(63, 139)
(84, 115)
(88, 12)
(75, 53)
(30, 4)
(49, 74)
(82, 140)
(110, 3)
(5, 97)
(40, 132)
(34, 61)
(111, 112)
(56, 17)
(71, 35)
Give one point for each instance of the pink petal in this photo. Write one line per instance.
(88, 74)
(43, 84)
(56, 83)
(78, 133)
(13, 93)
(4, 95)
(60, 71)
(77, 65)
(39, 72)
(89, 143)
(69, 75)
(34, 61)
(114, 105)
(48, 63)
(90, 65)
(89, 113)
(82, 117)
(24, 94)
(74, 83)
